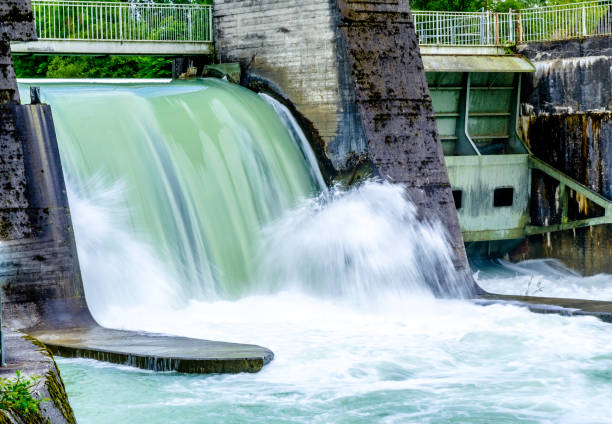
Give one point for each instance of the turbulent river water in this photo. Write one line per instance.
(332, 281)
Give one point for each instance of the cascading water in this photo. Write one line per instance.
(181, 174)
(358, 245)
(171, 187)
(298, 137)
(198, 213)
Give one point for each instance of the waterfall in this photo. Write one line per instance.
(298, 137)
(204, 191)
(191, 170)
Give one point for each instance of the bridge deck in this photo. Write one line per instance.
(106, 47)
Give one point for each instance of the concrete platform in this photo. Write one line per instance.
(28, 356)
(553, 305)
(154, 351)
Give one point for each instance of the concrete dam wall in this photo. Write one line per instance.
(567, 122)
(354, 74)
(38, 266)
(40, 271)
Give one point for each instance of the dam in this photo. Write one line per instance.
(335, 193)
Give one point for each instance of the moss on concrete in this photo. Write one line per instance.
(54, 383)
(4, 419)
(36, 418)
(57, 393)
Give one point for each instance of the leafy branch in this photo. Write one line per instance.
(16, 394)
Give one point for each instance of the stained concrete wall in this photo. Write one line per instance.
(571, 76)
(567, 122)
(39, 268)
(354, 72)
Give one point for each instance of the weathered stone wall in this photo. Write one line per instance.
(571, 76)
(354, 73)
(567, 122)
(579, 144)
(39, 269)
(16, 23)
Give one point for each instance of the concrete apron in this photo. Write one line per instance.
(153, 351)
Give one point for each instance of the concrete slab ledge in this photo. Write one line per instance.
(29, 356)
(110, 47)
(155, 352)
(553, 305)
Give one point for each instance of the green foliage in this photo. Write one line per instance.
(92, 67)
(449, 5)
(16, 394)
(477, 5)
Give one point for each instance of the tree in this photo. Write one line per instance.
(476, 5)
(448, 5)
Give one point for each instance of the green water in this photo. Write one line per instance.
(197, 167)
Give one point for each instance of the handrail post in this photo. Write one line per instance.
(120, 22)
(496, 28)
(584, 21)
(519, 19)
(190, 26)
(437, 27)
(210, 24)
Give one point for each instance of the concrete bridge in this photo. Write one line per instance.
(66, 27)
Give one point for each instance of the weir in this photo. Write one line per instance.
(372, 110)
(201, 208)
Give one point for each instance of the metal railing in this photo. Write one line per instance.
(464, 28)
(85, 20)
(131, 21)
(567, 21)
(548, 23)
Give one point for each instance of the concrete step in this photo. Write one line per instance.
(553, 305)
(154, 351)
